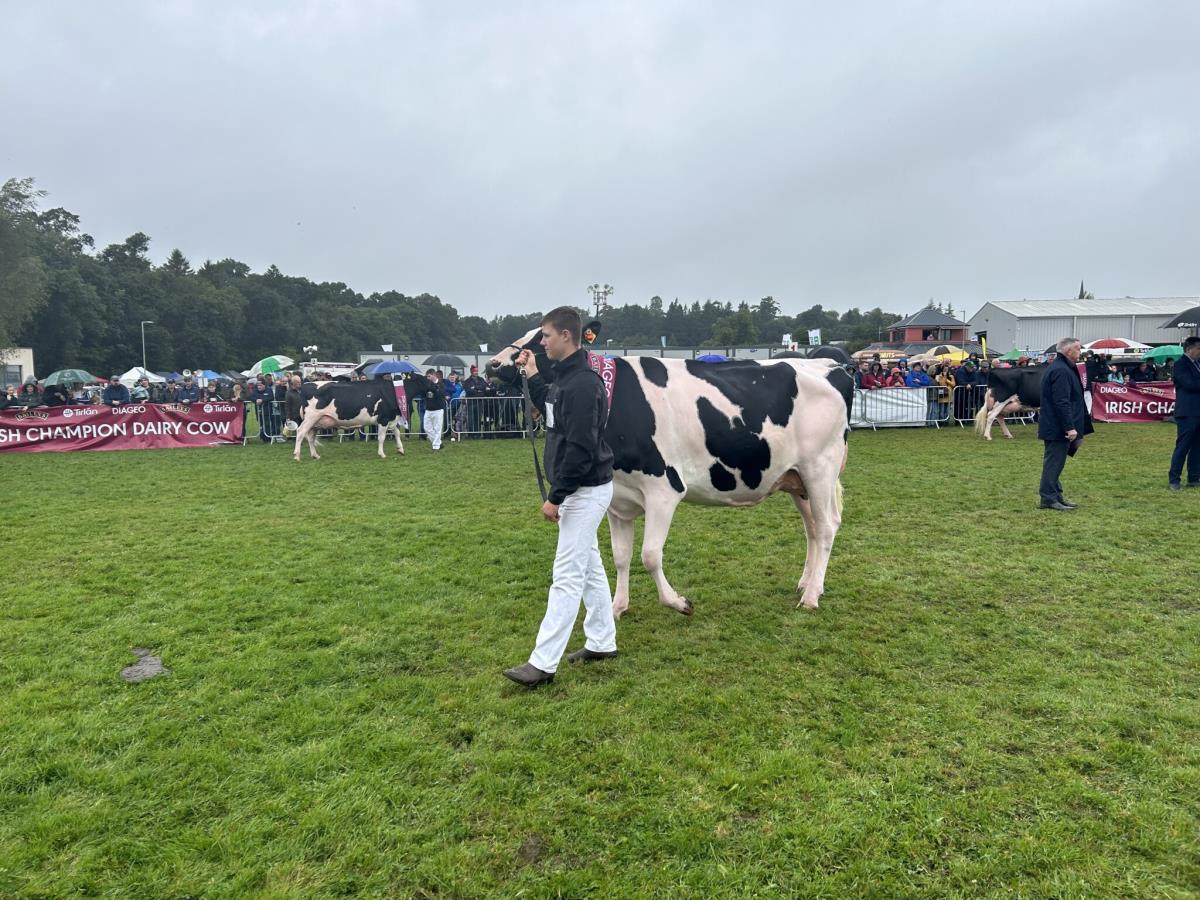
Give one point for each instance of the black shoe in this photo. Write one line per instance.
(1055, 505)
(1193, 484)
(1068, 504)
(528, 675)
(585, 655)
(1174, 486)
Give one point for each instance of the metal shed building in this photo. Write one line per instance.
(1036, 324)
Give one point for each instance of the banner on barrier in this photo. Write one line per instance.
(890, 407)
(134, 426)
(1145, 402)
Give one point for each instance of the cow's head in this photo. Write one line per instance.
(502, 364)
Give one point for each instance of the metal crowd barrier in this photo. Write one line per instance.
(969, 398)
(901, 407)
(478, 418)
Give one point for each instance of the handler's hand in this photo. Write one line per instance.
(1072, 434)
(550, 510)
(527, 361)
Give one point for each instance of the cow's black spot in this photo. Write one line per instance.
(734, 443)
(631, 426)
(841, 380)
(722, 479)
(655, 370)
(673, 477)
(761, 392)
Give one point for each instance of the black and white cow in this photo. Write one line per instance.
(720, 434)
(1009, 393)
(349, 404)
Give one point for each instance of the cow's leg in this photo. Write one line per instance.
(305, 432)
(660, 509)
(825, 503)
(381, 438)
(1004, 425)
(997, 412)
(620, 529)
(395, 425)
(805, 509)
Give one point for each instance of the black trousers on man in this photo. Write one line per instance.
(1187, 446)
(1053, 459)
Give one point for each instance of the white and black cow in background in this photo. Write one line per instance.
(1009, 393)
(353, 404)
(720, 434)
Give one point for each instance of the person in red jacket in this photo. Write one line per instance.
(896, 379)
(874, 378)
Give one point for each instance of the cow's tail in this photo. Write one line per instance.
(985, 408)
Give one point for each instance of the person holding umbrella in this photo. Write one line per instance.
(1187, 417)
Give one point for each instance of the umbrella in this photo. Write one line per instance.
(837, 354)
(1115, 344)
(71, 376)
(1169, 351)
(271, 364)
(389, 366)
(1014, 355)
(1189, 318)
(362, 366)
(174, 376)
(31, 379)
(210, 374)
(712, 358)
(449, 360)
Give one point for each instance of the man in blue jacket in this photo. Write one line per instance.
(116, 394)
(1187, 416)
(1062, 421)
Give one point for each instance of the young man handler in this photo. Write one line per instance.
(579, 468)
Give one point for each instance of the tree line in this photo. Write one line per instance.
(82, 307)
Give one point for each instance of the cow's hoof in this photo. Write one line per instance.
(688, 609)
(804, 605)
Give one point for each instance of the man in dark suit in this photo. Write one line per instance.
(1187, 416)
(1062, 421)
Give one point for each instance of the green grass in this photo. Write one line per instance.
(992, 699)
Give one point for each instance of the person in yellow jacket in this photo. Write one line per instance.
(943, 377)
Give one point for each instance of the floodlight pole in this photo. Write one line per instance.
(600, 294)
(144, 324)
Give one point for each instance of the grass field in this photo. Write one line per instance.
(992, 699)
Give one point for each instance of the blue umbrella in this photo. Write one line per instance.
(210, 374)
(712, 357)
(174, 376)
(389, 366)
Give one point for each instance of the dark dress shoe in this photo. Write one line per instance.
(528, 675)
(1068, 504)
(1174, 486)
(1193, 484)
(585, 655)
(1055, 505)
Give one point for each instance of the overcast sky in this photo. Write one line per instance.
(505, 155)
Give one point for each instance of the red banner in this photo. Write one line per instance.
(1144, 402)
(134, 426)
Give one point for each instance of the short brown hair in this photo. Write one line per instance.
(565, 318)
(1191, 342)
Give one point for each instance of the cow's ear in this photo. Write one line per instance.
(590, 331)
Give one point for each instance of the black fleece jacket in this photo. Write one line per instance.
(575, 412)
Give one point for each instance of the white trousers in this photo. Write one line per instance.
(578, 575)
(433, 426)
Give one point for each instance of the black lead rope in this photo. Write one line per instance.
(537, 466)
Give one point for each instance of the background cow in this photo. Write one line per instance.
(352, 404)
(723, 434)
(1010, 392)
